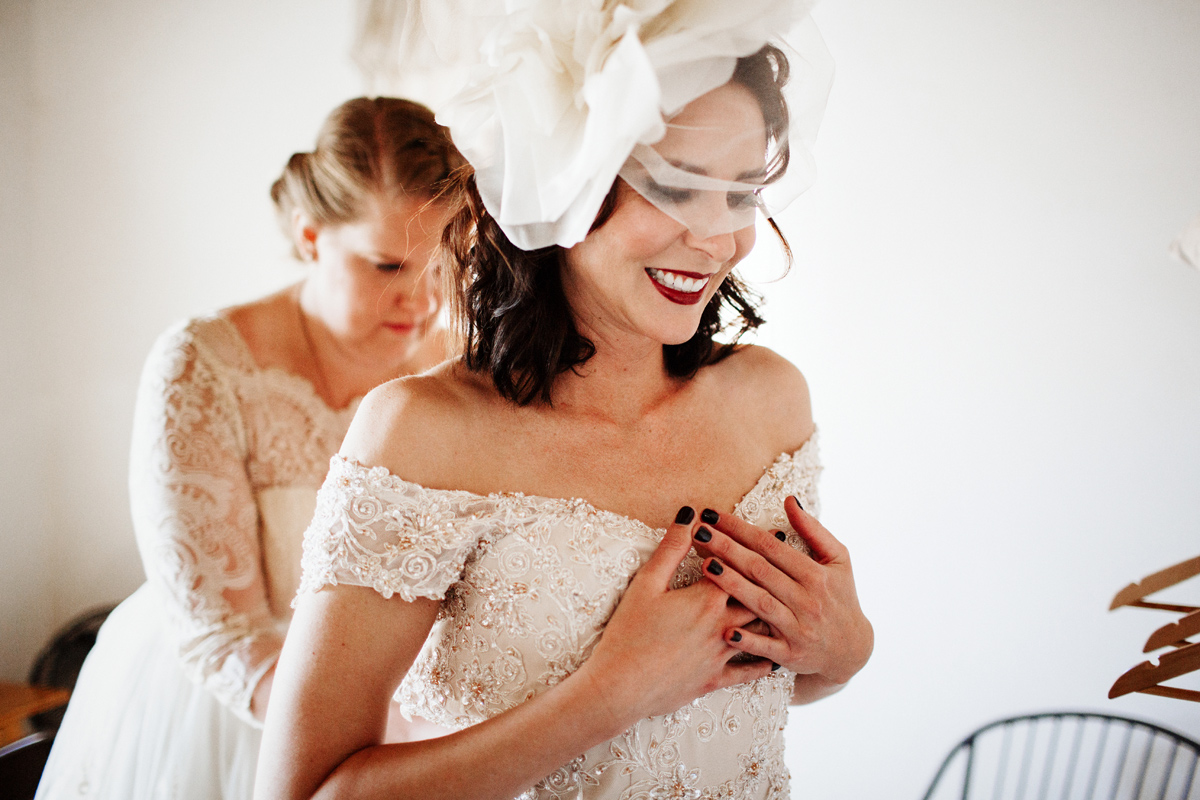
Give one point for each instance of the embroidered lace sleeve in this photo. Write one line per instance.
(196, 520)
(373, 529)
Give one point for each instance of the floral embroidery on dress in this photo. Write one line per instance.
(527, 584)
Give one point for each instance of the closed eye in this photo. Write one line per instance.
(669, 193)
(392, 266)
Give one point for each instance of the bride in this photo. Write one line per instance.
(507, 505)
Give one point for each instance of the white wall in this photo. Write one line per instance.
(26, 585)
(157, 130)
(1005, 365)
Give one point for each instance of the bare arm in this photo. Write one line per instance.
(348, 648)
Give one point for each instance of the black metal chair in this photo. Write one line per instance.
(1069, 755)
(59, 662)
(21, 765)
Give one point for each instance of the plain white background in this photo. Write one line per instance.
(1004, 362)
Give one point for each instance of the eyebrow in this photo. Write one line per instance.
(698, 170)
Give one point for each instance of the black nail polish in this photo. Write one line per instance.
(715, 567)
(737, 636)
(685, 515)
(781, 536)
(704, 535)
(774, 666)
(709, 516)
(796, 497)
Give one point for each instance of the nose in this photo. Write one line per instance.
(422, 295)
(719, 247)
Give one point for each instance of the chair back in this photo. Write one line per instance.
(1070, 756)
(21, 764)
(59, 662)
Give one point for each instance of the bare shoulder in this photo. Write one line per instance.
(769, 391)
(419, 426)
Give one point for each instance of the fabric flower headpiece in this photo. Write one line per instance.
(549, 100)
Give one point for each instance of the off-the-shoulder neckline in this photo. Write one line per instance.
(573, 504)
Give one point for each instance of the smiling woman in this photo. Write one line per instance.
(238, 413)
(684, 266)
(712, 149)
(509, 543)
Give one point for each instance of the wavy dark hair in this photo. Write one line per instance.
(514, 317)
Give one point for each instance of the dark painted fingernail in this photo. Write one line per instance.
(796, 497)
(685, 515)
(781, 536)
(715, 567)
(703, 534)
(737, 636)
(774, 666)
(709, 516)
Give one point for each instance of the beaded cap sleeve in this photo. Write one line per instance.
(527, 584)
(213, 433)
(373, 529)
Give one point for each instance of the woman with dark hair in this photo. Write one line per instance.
(237, 415)
(486, 545)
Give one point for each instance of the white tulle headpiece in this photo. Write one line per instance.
(549, 100)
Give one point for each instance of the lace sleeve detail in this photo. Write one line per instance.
(196, 520)
(373, 529)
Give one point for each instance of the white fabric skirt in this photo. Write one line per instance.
(138, 729)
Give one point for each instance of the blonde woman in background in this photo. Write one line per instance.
(237, 416)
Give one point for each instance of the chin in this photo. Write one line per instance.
(676, 336)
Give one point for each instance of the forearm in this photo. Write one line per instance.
(496, 759)
(810, 688)
(330, 703)
(230, 657)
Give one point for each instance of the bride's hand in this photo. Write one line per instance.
(663, 647)
(809, 603)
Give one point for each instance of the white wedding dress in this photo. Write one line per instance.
(527, 584)
(226, 461)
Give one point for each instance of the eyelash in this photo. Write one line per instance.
(736, 200)
(671, 193)
(392, 267)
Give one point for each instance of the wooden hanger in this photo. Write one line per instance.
(1185, 658)
(1132, 594)
(1174, 634)
(1145, 677)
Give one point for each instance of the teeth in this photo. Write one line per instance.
(680, 283)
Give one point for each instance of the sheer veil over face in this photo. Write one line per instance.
(547, 99)
(657, 261)
(708, 169)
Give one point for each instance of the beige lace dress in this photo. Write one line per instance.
(226, 462)
(526, 585)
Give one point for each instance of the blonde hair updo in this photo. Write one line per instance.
(369, 145)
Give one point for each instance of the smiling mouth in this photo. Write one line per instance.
(684, 288)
